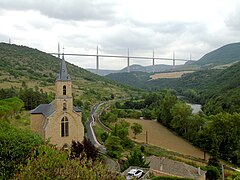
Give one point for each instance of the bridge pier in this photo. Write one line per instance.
(97, 62)
(59, 50)
(153, 63)
(128, 62)
(174, 60)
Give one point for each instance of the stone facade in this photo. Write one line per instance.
(59, 121)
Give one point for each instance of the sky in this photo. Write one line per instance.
(189, 28)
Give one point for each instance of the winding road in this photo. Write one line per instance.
(112, 164)
(90, 133)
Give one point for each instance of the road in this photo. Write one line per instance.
(111, 164)
(90, 133)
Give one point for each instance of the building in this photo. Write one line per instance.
(161, 166)
(59, 121)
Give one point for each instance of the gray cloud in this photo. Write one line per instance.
(62, 9)
(84, 24)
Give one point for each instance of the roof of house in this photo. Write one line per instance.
(63, 74)
(175, 168)
(45, 109)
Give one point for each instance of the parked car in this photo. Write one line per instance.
(137, 173)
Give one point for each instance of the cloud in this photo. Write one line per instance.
(63, 9)
(81, 25)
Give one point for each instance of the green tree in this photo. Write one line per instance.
(122, 129)
(181, 113)
(104, 136)
(222, 136)
(15, 147)
(164, 113)
(114, 147)
(136, 158)
(137, 129)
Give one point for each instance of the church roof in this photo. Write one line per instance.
(77, 109)
(45, 109)
(63, 74)
(48, 109)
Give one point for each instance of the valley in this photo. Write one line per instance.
(170, 124)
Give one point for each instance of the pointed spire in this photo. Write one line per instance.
(63, 75)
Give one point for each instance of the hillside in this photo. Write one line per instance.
(223, 55)
(20, 65)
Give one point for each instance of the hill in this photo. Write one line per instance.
(20, 65)
(224, 55)
(134, 68)
(135, 79)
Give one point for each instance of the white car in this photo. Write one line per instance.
(137, 173)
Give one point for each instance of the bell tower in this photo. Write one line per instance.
(63, 98)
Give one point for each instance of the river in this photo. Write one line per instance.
(196, 108)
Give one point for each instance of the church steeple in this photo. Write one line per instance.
(63, 75)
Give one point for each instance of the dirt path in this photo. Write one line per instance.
(159, 135)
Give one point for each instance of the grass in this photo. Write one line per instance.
(98, 131)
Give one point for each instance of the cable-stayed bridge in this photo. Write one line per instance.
(127, 57)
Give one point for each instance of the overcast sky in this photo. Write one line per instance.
(187, 27)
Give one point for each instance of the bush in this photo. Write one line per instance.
(212, 173)
(49, 163)
(15, 146)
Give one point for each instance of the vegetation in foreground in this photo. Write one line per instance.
(24, 155)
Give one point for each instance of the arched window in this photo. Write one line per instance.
(64, 127)
(64, 90)
(64, 106)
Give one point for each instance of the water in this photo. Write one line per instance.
(196, 108)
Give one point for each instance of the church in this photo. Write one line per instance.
(59, 121)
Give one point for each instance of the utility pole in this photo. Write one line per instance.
(146, 137)
(128, 61)
(223, 172)
(97, 62)
(153, 63)
(9, 40)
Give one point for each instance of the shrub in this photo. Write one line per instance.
(15, 146)
(49, 163)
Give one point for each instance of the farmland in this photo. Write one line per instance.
(159, 135)
(169, 75)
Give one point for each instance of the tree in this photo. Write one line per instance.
(15, 146)
(181, 113)
(136, 158)
(223, 136)
(90, 150)
(114, 147)
(76, 149)
(212, 173)
(137, 129)
(104, 136)
(121, 129)
(164, 113)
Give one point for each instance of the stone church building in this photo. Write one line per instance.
(59, 121)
